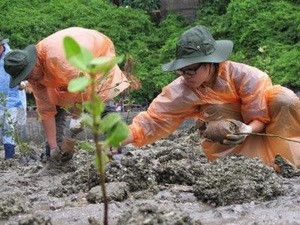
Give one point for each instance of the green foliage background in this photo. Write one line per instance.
(266, 33)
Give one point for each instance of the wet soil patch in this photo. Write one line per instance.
(169, 182)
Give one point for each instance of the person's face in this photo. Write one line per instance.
(34, 75)
(1, 49)
(197, 74)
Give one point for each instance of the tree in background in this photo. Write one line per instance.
(265, 33)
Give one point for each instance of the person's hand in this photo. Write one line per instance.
(67, 149)
(238, 137)
(25, 85)
(64, 152)
(217, 130)
(110, 152)
(55, 155)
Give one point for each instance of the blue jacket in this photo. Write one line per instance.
(9, 97)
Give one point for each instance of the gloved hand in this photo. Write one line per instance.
(25, 85)
(67, 149)
(216, 131)
(242, 131)
(63, 153)
(113, 152)
(55, 155)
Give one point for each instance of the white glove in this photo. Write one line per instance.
(75, 124)
(236, 139)
(23, 84)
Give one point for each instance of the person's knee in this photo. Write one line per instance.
(281, 98)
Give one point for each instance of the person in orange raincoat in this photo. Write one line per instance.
(48, 72)
(211, 88)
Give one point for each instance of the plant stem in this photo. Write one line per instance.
(270, 135)
(99, 155)
(102, 181)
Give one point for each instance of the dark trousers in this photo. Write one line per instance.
(60, 121)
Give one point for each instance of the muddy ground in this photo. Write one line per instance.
(169, 182)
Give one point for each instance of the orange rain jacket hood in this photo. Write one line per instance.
(51, 89)
(239, 92)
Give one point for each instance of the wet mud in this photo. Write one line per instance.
(169, 182)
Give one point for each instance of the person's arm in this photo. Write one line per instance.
(50, 131)
(257, 126)
(164, 115)
(245, 130)
(251, 85)
(47, 112)
(129, 139)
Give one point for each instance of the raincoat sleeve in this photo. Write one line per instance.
(46, 109)
(165, 114)
(252, 85)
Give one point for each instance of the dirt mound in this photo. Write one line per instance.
(169, 182)
(236, 180)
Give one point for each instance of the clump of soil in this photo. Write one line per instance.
(134, 169)
(83, 179)
(33, 220)
(285, 168)
(236, 180)
(13, 204)
(230, 180)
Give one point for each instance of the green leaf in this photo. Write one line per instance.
(109, 121)
(79, 84)
(104, 160)
(87, 106)
(76, 55)
(87, 120)
(116, 135)
(103, 64)
(86, 146)
(98, 106)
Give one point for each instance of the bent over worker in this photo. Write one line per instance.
(212, 88)
(48, 72)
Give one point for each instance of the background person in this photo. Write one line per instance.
(48, 72)
(212, 88)
(12, 106)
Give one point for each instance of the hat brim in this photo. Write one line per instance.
(222, 53)
(26, 71)
(4, 41)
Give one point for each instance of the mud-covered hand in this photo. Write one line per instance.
(110, 152)
(216, 131)
(67, 149)
(237, 138)
(63, 153)
(55, 156)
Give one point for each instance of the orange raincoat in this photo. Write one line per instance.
(239, 92)
(51, 90)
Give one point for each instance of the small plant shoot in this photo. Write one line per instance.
(111, 126)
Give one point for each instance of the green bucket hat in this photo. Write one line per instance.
(197, 45)
(19, 63)
(3, 41)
